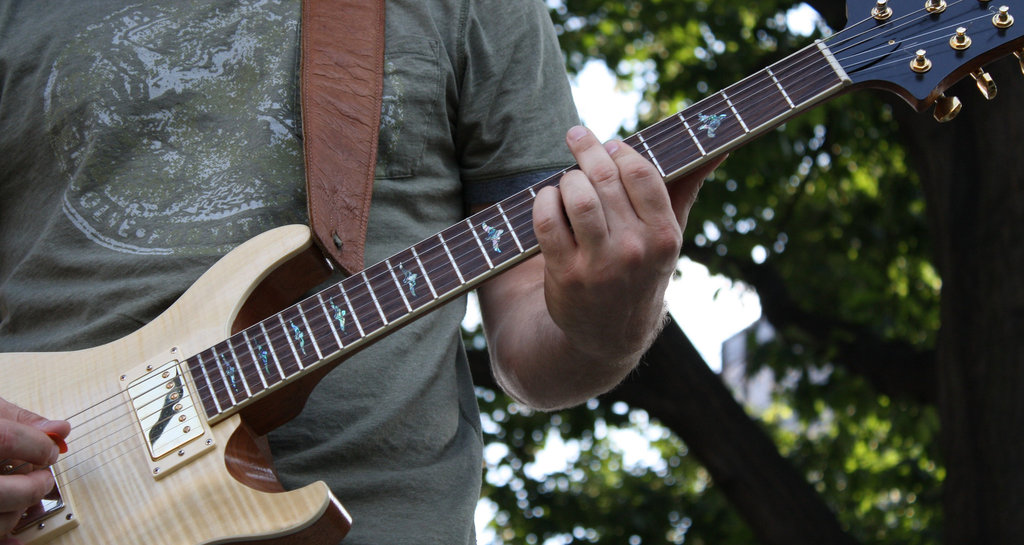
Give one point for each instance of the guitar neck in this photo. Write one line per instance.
(362, 308)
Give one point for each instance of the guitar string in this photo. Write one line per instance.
(838, 52)
(357, 311)
(471, 242)
(390, 290)
(510, 217)
(845, 44)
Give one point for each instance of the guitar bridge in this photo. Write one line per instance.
(41, 519)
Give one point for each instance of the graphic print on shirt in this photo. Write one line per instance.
(176, 128)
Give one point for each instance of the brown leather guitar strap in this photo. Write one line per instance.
(341, 85)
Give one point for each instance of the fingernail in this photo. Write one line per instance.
(611, 146)
(576, 133)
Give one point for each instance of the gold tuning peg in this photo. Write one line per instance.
(1020, 57)
(946, 108)
(986, 84)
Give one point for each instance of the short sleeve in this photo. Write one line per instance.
(515, 104)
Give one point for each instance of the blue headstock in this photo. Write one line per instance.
(919, 48)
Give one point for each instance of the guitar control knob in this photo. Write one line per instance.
(1003, 19)
(920, 64)
(960, 40)
(881, 11)
(946, 108)
(986, 84)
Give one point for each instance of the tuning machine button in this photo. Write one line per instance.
(935, 6)
(986, 84)
(960, 41)
(1003, 19)
(946, 108)
(881, 11)
(920, 63)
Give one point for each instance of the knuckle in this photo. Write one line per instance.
(583, 206)
(7, 439)
(604, 174)
(668, 239)
(640, 170)
(632, 252)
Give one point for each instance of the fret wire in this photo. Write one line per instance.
(270, 364)
(238, 368)
(330, 321)
(273, 351)
(471, 254)
(426, 276)
(213, 407)
(781, 89)
(355, 316)
(483, 251)
(398, 284)
(373, 296)
(650, 153)
(392, 307)
(312, 336)
(250, 374)
(452, 259)
(255, 359)
(288, 340)
(511, 231)
(446, 277)
(733, 108)
(692, 135)
(228, 388)
(213, 391)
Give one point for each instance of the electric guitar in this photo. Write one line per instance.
(165, 449)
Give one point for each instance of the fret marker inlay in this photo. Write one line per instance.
(710, 123)
(492, 235)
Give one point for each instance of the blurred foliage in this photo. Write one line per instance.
(829, 204)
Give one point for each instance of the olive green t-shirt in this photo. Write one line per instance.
(140, 141)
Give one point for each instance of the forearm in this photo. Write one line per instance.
(548, 365)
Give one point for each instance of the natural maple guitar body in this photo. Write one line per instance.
(225, 493)
(165, 448)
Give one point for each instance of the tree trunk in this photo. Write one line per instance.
(972, 172)
(675, 386)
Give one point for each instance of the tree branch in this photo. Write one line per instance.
(897, 369)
